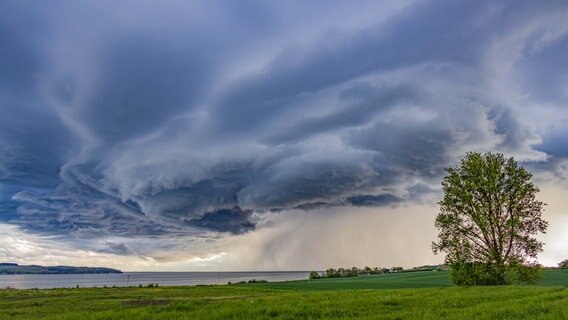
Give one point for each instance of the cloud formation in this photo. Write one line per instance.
(197, 120)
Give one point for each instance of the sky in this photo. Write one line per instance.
(267, 135)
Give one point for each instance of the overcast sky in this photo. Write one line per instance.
(267, 135)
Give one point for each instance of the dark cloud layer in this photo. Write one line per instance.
(232, 220)
(189, 119)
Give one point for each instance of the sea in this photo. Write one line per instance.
(49, 281)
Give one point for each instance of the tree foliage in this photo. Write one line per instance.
(488, 219)
(355, 272)
(563, 264)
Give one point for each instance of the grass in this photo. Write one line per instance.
(384, 281)
(551, 277)
(421, 295)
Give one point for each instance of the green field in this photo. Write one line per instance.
(427, 279)
(420, 295)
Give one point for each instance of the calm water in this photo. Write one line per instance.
(45, 281)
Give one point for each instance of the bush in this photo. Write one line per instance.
(526, 273)
(257, 281)
(478, 273)
(470, 274)
(563, 264)
(314, 275)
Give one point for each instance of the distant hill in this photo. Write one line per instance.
(14, 268)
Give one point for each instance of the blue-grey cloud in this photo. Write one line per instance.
(233, 220)
(554, 141)
(374, 200)
(148, 80)
(195, 119)
(543, 70)
(118, 248)
(369, 101)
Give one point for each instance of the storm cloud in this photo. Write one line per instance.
(198, 120)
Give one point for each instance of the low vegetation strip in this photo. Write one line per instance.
(427, 279)
(419, 295)
(423, 279)
(514, 302)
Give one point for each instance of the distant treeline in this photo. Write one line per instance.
(13, 268)
(355, 272)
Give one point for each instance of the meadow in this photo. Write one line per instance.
(419, 295)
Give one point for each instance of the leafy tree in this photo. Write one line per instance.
(354, 272)
(314, 275)
(563, 264)
(331, 273)
(367, 270)
(488, 219)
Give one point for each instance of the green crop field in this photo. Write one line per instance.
(428, 279)
(420, 295)
(403, 280)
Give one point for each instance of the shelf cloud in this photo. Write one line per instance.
(202, 120)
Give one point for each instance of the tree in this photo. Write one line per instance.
(314, 275)
(354, 272)
(563, 264)
(488, 219)
(331, 273)
(367, 270)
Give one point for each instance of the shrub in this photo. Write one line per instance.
(257, 281)
(479, 273)
(527, 273)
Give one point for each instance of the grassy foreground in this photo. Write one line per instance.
(318, 299)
